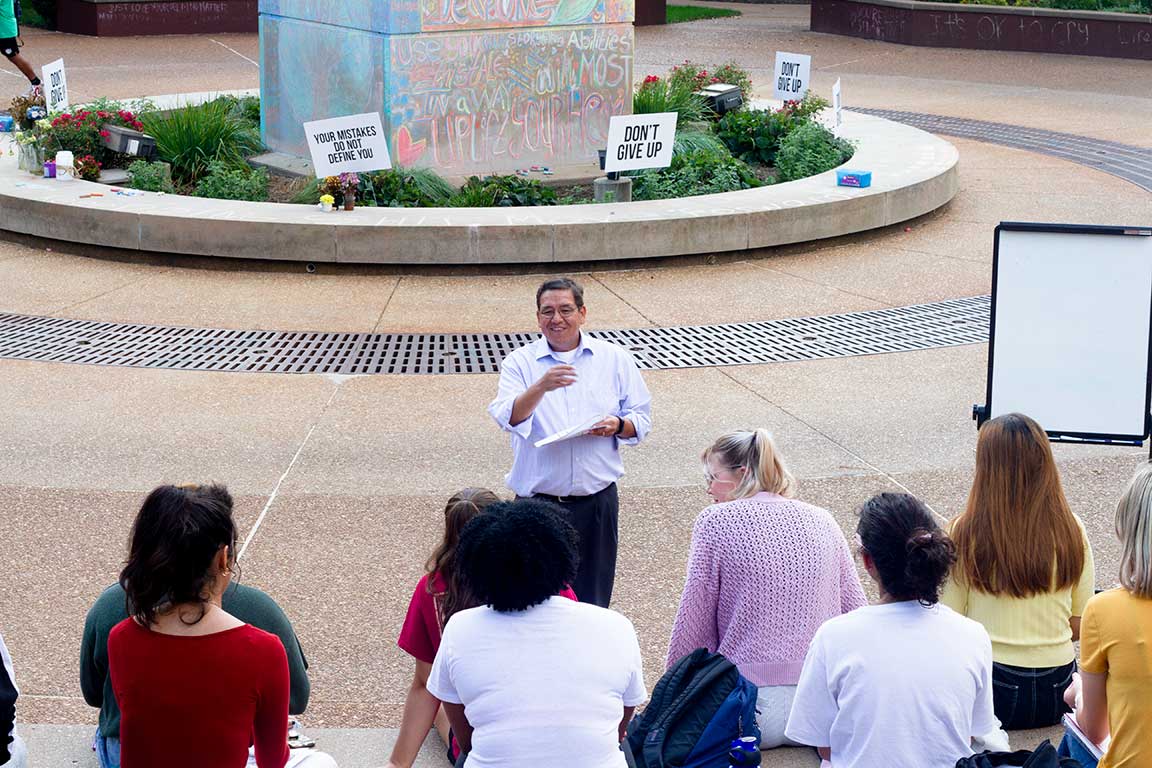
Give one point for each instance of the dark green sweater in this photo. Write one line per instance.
(248, 604)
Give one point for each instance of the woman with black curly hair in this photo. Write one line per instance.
(531, 678)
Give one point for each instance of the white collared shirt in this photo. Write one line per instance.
(608, 383)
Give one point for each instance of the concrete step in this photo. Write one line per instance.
(53, 746)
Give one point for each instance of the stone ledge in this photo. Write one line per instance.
(987, 27)
(913, 173)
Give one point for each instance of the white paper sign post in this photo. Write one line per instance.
(792, 74)
(348, 144)
(838, 114)
(640, 141)
(55, 86)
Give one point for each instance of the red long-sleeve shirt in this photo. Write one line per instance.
(190, 702)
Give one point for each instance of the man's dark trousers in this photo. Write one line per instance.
(594, 518)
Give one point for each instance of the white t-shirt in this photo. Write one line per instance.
(546, 686)
(897, 685)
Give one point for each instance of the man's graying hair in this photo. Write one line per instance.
(562, 284)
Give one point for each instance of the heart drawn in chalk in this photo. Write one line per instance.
(408, 151)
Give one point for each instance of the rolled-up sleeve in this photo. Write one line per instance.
(513, 383)
(635, 400)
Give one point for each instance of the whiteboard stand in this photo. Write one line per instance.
(1070, 331)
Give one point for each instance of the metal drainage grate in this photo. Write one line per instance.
(902, 329)
(1128, 162)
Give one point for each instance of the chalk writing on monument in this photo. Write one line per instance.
(464, 86)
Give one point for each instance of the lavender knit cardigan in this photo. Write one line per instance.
(763, 574)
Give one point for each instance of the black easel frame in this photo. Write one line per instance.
(981, 412)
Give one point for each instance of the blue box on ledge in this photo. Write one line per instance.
(847, 178)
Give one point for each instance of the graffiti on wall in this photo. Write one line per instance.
(483, 101)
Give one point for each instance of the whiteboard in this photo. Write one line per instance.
(1071, 329)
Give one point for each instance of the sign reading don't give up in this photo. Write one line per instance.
(348, 144)
(640, 141)
(792, 73)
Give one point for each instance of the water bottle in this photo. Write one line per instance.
(744, 752)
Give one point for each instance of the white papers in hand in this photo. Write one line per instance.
(1097, 750)
(576, 430)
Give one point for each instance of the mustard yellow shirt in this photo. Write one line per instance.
(1116, 639)
(1030, 632)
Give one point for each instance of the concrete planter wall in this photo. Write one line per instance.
(988, 27)
(120, 18)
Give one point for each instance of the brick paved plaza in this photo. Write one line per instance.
(348, 475)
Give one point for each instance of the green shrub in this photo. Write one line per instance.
(734, 75)
(231, 182)
(150, 177)
(694, 141)
(247, 108)
(808, 150)
(696, 173)
(754, 135)
(40, 13)
(661, 95)
(692, 76)
(191, 138)
(417, 188)
(807, 107)
(502, 191)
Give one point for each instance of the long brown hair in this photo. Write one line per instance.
(1018, 536)
(462, 507)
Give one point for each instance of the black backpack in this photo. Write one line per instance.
(701, 704)
(1044, 757)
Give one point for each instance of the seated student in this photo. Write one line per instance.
(247, 604)
(530, 678)
(764, 572)
(439, 594)
(906, 683)
(12, 752)
(1113, 695)
(195, 685)
(1023, 569)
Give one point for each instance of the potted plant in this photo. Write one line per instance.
(349, 182)
(326, 202)
(87, 168)
(29, 152)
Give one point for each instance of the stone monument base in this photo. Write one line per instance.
(462, 102)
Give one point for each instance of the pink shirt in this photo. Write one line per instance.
(763, 574)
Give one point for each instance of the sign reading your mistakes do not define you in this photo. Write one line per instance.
(792, 75)
(640, 141)
(348, 144)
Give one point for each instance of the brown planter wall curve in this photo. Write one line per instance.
(988, 27)
(120, 18)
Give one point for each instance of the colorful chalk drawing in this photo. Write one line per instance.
(488, 100)
(480, 86)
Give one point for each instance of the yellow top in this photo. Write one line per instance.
(1116, 639)
(1030, 632)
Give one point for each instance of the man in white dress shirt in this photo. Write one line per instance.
(562, 380)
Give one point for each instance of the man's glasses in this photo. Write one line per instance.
(564, 312)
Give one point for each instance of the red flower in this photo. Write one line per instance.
(65, 116)
(104, 134)
(651, 79)
(102, 114)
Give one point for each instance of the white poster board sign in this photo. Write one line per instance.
(55, 86)
(640, 141)
(348, 144)
(792, 75)
(1070, 328)
(837, 108)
